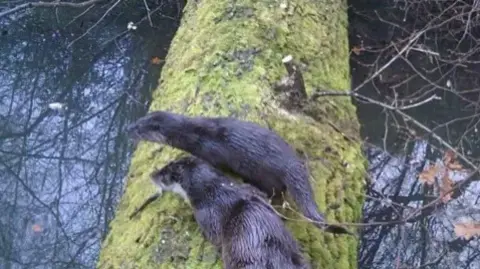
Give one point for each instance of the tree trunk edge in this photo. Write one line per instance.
(224, 60)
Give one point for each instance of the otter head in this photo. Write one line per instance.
(174, 177)
(158, 126)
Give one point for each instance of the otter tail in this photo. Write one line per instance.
(302, 193)
(311, 211)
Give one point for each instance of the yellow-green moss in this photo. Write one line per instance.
(224, 60)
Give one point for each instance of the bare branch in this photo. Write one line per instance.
(93, 26)
(410, 42)
(42, 4)
(148, 13)
(144, 205)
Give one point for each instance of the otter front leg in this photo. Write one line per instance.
(216, 244)
(209, 225)
(145, 204)
(218, 250)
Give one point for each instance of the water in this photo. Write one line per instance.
(418, 230)
(65, 97)
(63, 169)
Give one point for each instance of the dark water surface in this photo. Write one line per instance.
(62, 170)
(70, 82)
(418, 231)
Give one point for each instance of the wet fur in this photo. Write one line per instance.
(241, 224)
(260, 156)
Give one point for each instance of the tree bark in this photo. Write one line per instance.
(226, 59)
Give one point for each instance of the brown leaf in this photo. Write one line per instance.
(467, 230)
(155, 60)
(445, 188)
(357, 50)
(455, 165)
(450, 162)
(448, 157)
(428, 176)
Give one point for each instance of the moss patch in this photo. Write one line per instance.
(224, 60)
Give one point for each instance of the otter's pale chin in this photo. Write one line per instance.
(175, 188)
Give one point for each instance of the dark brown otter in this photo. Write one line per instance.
(242, 225)
(258, 155)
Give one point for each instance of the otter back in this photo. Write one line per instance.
(249, 221)
(241, 224)
(258, 155)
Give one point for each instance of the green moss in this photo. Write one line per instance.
(224, 60)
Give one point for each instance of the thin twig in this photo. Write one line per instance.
(394, 58)
(93, 26)
(148, 201)
(155, 10)
(148, 13)
(433, 97)
(80, 15)
(48, 4)
(408, 117)
(425, 51)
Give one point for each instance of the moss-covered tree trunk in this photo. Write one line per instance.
(224, 60)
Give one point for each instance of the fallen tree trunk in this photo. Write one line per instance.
(226, 59)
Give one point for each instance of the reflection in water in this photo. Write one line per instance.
(427, 239)
(70, 82)
(416, 228)
(64, 102)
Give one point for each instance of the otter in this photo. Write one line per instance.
(260, 156)
(239, 223)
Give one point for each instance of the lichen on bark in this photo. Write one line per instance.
(224, 60)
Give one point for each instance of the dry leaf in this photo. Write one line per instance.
(445, 188)
(449, 160)
(428, 176)
(467, 230)
(357, 50)
(156, 60)
(448, 157)
(455, 165)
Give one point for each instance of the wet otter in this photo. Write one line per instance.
(242, 225)
(260, 156)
